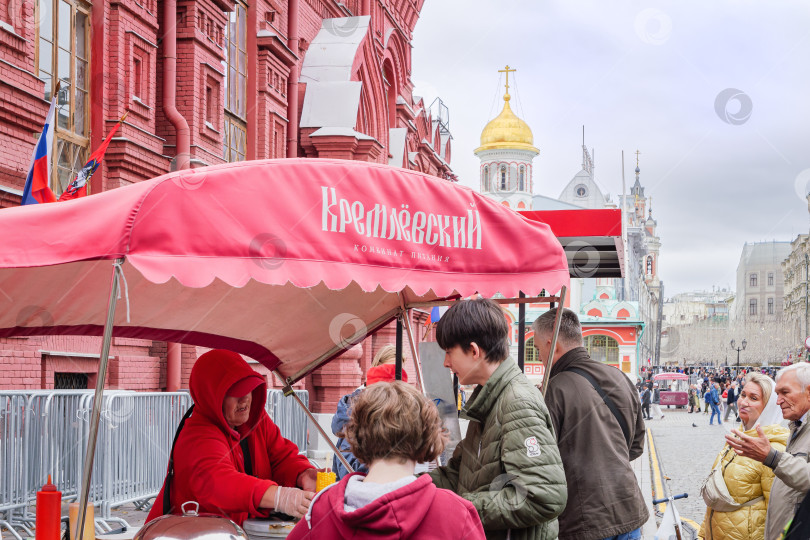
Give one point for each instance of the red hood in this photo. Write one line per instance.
(397, 513)
(212, 376)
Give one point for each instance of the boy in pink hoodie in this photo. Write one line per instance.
(391, 428)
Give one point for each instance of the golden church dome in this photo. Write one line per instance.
(507, 131)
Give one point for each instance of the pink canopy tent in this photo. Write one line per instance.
(290, 262)
(276, 260)
(671, 377)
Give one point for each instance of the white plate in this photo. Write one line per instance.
(259, 529)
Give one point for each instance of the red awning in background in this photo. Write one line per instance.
(592, 239)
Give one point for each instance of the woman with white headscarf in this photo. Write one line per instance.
(739, 513)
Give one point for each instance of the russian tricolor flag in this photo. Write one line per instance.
(38, 184)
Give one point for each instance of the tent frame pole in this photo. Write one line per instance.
(417, 362)
(407, 315)
(398, 345)
(99, 395)
(521, 360)
(288, 391)
(550, 359)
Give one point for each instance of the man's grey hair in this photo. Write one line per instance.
(802, 371)
(570, 329)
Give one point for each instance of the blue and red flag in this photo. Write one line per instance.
(435, 314)
(78, 187)
(38, 183)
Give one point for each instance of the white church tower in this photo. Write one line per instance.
(506, 155)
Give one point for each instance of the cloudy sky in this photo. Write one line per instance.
(650, 76)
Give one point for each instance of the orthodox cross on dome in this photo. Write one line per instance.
(637, 154)
(507, 70)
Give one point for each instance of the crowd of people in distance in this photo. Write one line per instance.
(758, 485)
(531, 465)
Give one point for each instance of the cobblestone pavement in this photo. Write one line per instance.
(686, 454)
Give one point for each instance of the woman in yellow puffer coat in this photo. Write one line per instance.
(748, 481)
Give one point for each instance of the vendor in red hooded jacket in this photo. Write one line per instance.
(229, 399)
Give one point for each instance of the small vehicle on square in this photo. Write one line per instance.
(674, 388)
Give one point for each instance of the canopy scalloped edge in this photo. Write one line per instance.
(337, 276)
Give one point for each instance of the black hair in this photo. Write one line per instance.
(481, 321)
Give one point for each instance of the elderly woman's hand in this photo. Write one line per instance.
(291, 501)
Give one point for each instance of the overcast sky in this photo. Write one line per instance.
(646, 76)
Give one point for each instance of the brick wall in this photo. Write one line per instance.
(127, 69)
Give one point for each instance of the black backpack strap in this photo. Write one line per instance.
(167, 484)
(608, 402)
(246, 456)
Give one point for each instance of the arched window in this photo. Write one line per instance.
(504, 178)
(522, 178)
(531, 354)
(623, 314)
(485, 184)
(593, 312)
(603, 349)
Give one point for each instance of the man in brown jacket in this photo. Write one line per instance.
(791, 467)
(597, 436)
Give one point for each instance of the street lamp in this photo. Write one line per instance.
(738, 349)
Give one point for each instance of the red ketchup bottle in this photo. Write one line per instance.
(49, 512)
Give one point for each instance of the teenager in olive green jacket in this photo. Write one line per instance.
(508, 464)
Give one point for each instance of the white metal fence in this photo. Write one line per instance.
(45, 432)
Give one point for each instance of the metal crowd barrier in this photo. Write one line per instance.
(289, 417)
(134, 444)
(45, 432)
(13, 493)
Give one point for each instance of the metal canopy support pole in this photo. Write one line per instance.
(417, 362)
(96, 414)
(399, 347)
(550, 359)
(521, 333)
(288, 391)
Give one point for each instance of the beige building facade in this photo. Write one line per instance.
(795, 268)
(761, 282)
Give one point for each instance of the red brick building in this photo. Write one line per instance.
(203, 82)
